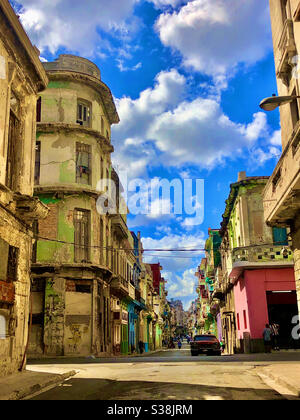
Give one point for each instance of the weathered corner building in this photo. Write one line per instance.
(282, 193)
(21, 78)
(257, 267)
(74, 263)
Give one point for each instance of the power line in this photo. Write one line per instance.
(120, 249)
(152, 249)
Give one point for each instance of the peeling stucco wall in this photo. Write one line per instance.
(21, 78)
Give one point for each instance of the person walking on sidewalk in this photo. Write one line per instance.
(275, 335)
(267, 335)
(141, 347)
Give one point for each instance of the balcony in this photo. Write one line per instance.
(261, 256)
(119, 226)
(218, 293)
(131, 291)
(30, 208)
(282, 192)
(286, 51)
(119, 287)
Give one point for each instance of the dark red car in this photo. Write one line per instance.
(208, 344)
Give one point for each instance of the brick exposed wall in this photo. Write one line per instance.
(7, 292)
(48, 226)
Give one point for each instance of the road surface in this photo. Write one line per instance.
(167, 375)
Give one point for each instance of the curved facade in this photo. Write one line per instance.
(73, 259)
(22, 77)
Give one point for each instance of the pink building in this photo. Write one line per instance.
(257, 271)
(263, 296)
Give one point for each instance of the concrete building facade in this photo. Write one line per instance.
(74, 262)
(258, 274)
(282, 192)
(21, 78)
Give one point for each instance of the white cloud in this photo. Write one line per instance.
(276, 138)
(62, 23)
(161, 4)
(133, 150)
(182, 286)
(199, 133)
(260, 156)
(213, 36)
(123, 68)
(174, 261)
(160, 128)
(258, 127)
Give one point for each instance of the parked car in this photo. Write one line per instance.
(208, 344)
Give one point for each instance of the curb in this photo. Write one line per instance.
(282, 382)
(37, 388)
(93, 357)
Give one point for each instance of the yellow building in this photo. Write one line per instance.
(73, 259)
(21, 78)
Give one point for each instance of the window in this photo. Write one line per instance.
(82, 235)
(35, 229)
(83, 163)
(83, 113)
(83, 288)
(294, 110)
(39, 110)
(205, 338)
(101, 241)
(276, 179)
(102, 125)
(12, 263)
(107, 246)
(37, 168)
(2, 327)
(101, 168)
(280, 236)
(245, 320)
(238, 322)
(13, 134)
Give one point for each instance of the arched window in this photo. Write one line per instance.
(2, 327)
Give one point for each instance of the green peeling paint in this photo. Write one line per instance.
(46, 250)
(58, 85)
(65, 229)
(48, 200)
(66, 175)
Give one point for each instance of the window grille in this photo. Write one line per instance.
(83, 163)
(82, 235)
(83, 114)
(37, 168)
(12, 264)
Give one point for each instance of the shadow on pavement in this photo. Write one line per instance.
(104, 389)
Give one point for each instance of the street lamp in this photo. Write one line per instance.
(269, 104)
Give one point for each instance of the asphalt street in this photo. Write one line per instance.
(166, 375)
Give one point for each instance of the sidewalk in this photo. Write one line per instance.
(32, 360)
(23, 384)
(284, 375)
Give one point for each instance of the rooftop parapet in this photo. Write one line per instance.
(66, 62)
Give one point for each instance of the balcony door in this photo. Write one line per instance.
(82, 235)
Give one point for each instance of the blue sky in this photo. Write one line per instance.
(187, 77)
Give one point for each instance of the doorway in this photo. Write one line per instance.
(282, 308)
